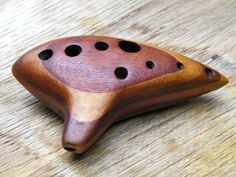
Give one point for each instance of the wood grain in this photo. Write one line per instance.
(193, 139)
(91, 96)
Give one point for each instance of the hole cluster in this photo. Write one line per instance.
(127, 46)
(75, 50)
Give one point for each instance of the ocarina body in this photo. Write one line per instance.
(95, 81)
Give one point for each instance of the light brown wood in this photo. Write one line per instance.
(193, 139)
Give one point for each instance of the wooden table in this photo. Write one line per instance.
(195, 138)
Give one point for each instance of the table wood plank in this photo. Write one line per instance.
(195, 138)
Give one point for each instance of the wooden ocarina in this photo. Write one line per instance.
(95, 81)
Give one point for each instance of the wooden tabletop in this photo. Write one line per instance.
(195, 138)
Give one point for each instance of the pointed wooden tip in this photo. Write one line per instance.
(95, 81)
(78, 136)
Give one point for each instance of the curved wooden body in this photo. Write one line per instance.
(94, 81)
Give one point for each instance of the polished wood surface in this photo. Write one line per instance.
(93, 70)
(95, 81)
(194, 138)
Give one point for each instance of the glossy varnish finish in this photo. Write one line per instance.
(95, 81)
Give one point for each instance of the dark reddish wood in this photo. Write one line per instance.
(74, 72)
(86, 92)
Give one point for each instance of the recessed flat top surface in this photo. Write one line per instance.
(195, 138)
(78, 63)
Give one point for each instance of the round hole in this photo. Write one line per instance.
(150, 64)
(129, 46)
(73, 50)
(45, 54)
(101, 46)
(180, 65)
(69, 149)
(121, 72)
(210, 74)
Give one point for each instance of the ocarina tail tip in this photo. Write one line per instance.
(220, 82)
(78, 136)
(224, 80)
